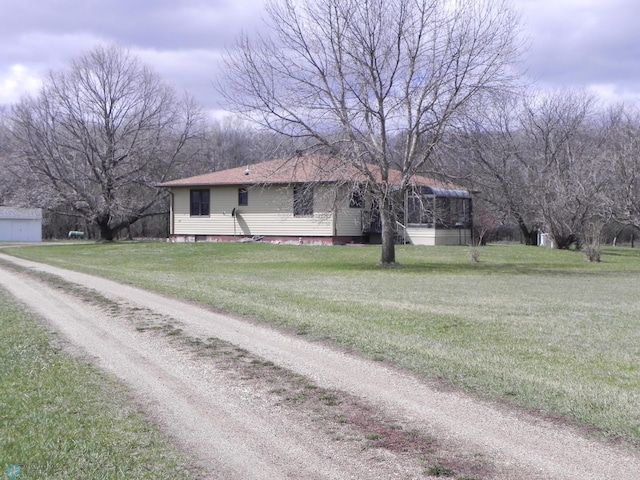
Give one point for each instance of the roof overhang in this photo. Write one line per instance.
(447, 192)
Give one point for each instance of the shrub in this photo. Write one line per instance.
(593, 252)
(474, 254)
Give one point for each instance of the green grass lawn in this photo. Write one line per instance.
(541, 328)
(62, 419)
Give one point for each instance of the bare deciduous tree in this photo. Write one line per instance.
(623, 140)
(348, 77)
(231, 142)
(543, 161)
(5, 152)
(100, 135)
(487, 151)
(564, 148)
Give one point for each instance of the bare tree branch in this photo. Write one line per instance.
(101, 134)
(349, 76)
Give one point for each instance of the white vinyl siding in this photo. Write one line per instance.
(270, 212)
(432, 236)
(348, 219)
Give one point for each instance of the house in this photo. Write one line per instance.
(20, 224)
(312, 200)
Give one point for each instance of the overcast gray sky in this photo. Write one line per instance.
(573, 43)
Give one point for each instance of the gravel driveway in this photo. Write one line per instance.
(268, 405)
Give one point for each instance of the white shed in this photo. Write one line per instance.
(20, 224)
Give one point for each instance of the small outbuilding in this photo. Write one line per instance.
(20, 224)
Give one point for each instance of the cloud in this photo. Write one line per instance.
(160, 24)
(593, 44)
(192, 71)
(584, 43)
(180, 40)
(17, 81)
(611, 94)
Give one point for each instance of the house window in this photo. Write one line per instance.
(420, 209)
(302, 201)
(243, 197)
(199, 203)
(356, 200)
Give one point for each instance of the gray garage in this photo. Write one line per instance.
(20, 224)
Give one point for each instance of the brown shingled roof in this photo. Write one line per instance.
(296, 170)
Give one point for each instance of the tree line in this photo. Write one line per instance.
(91, 146)
(561, 162)
(425, 87)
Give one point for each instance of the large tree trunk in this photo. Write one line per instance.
(388, 256)
(106, 232)
(530, 236)
(564, 242)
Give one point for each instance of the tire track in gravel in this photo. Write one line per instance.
(231, 434)
(235, 436)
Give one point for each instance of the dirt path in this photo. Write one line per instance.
(245, 426)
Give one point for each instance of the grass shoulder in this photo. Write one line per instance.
(62, 418)
(539, 328)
